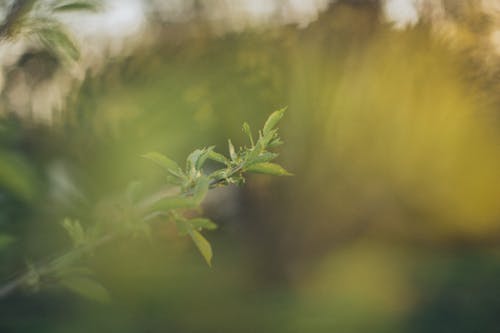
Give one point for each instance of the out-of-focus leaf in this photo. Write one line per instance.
(217, 157)
(164, 162)
(55, 38)
(86, 287)
(273, 119)
(203, 246)
(174, 203)
(201, 189)
(75, 231)
(65, 6)
(268, 168)
(183, 228)
(202, 223)
(16, 176)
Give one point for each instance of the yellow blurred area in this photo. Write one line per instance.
(398, 116)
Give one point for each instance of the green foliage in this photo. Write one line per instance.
(76, 5)
(35, 18)
(178, 201)
(195, 182)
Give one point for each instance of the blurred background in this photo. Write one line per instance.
(391, 222)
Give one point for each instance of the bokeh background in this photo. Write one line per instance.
(391, 222)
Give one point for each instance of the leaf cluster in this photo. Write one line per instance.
(136, 215)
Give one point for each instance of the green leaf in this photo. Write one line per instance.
(217, 157)
(174, 203)
(232, 151)
(75, 231)
(183, 228)
(86, 287)
(248, 132)
(273, 120)
(55, 38)
(200, 189)
(268, 168)
(203, 246)
(65, 6)
(164, 162)
(263, 157)
(197, 158)
(192, 160)
(202, 223)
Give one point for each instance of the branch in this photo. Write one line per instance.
(192, 186)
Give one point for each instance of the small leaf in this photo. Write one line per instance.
(201, 189)
(263, 157)
(248, 132)
(273, 119)
(203, 246)
(55, 38)
(268, 168)
(203, 157)
(166, 163)
(183, 228)
(192, 160)
(76, 6)
(174, 203)
(232, 151)
(87, 288)
(217, 157)
(202, 223)
(75, 231)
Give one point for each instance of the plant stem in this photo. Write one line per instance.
(43, 269)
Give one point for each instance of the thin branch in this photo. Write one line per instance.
(49, 267)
